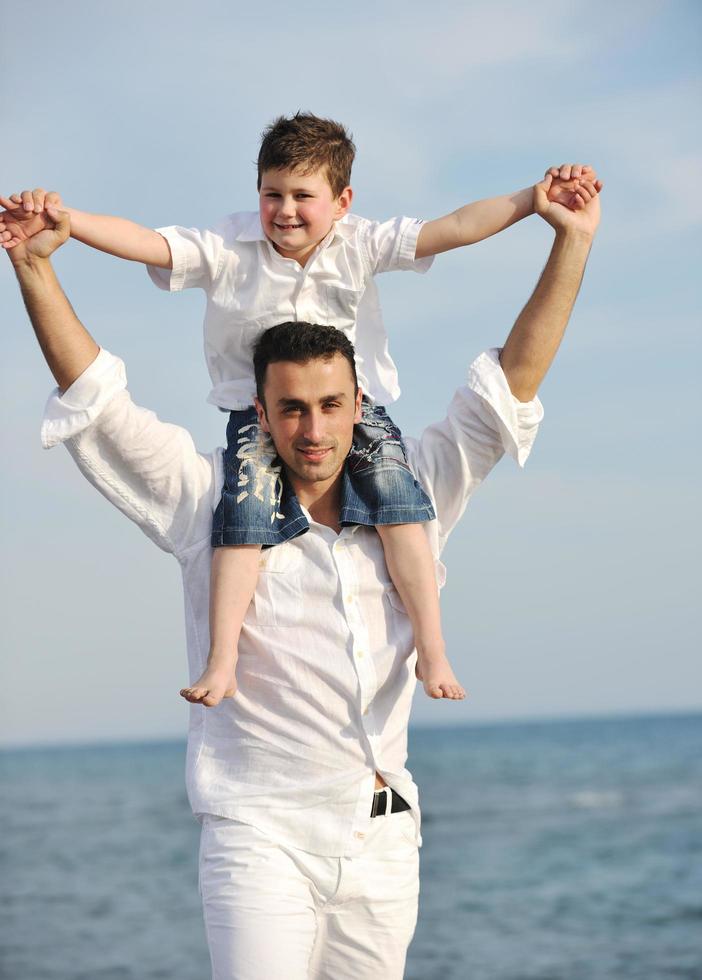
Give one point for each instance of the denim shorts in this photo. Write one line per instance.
(258, 506)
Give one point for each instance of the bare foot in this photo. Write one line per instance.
(434, 671)
(218, 681)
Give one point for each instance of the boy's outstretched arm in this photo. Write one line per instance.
(26, 215)
(482, 219)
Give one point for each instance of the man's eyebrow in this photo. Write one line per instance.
(299, 403)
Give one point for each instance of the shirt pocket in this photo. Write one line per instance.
(407, 826)
(341, 306)
(278, 595)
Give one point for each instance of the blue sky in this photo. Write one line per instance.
(574, 586)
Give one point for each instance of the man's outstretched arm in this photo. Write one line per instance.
(538, 331)
(66, 344)
(149, 469)
(497, 411)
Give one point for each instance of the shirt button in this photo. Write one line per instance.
(359, 835)
(349, 598)
(359, 654)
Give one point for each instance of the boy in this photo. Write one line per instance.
(304, 257)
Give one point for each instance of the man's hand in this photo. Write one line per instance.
(568, 179)
(36, 236)
(25, 215)
(534, 339)
(584, 219)
(65, 343)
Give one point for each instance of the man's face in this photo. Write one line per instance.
(309, 413)
(297, 211)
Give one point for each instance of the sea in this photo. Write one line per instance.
(559, 850)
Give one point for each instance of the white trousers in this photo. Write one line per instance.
(273, 912)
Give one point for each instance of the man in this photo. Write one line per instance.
(308, 861)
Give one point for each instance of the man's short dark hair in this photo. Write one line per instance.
(307, 143)
(300, 342)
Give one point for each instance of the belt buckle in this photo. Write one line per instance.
(376, 807)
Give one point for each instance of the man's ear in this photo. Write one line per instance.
(261, 412)
(359, 406)
(343, 203)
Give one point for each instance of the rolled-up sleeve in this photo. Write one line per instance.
(392, 245)
(69, 413)
(150, 470)
(484, 422)
(196, 258)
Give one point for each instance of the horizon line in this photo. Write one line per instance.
(504, 722)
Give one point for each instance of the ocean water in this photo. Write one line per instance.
(552, 851)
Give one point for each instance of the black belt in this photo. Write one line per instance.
(380, 802)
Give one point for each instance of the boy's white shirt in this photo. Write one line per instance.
(250, 287)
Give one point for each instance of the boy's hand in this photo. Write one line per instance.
(25, 215)
(36, 200)
(55, 230)
(583, 220)
(573, 185)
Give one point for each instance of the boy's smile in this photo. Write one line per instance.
(298, 210)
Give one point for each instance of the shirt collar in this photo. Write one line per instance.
(251, 230)
(343, 228)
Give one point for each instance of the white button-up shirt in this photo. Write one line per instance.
(250, 287)
(326, 660)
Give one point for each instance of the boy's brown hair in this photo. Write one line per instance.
(307, 143)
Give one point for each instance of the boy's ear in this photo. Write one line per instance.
(343, 203)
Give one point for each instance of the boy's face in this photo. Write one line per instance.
(298, 210)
